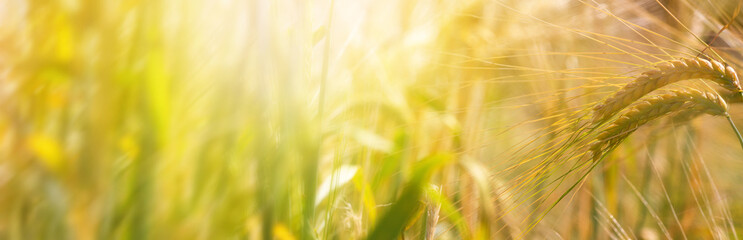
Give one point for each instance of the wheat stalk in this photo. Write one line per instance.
(673, 71)
(679, 102)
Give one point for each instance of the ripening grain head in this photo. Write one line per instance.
(675, 102)
(667, 73)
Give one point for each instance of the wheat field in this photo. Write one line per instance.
(386, 119)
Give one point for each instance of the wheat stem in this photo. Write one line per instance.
(737, 133)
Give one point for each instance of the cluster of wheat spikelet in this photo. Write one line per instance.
(673, 71)
(684, 104)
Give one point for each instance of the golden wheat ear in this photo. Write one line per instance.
(673, 71)
(678, 102)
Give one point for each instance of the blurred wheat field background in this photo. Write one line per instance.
(328, 119)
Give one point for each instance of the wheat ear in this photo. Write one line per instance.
(680, 102)
(670, 72)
